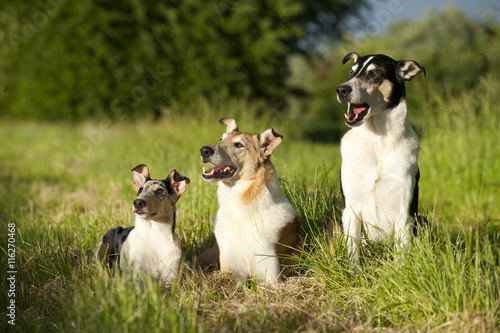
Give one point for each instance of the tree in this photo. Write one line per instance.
(119, 58)
(456, 51)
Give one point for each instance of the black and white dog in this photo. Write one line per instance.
(379, 173)
(151, 246)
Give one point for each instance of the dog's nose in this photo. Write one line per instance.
(343, 91)
(139, 203)
(206, 151)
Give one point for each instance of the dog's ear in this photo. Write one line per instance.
(231, 124)
(408, 69)
(353, 55)
(141, 175)
(178, 182)
(268, 141)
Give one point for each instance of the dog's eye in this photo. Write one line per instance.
(160, 192)
(220, 139)
(238, 145)
(140, 190)
(372, 73)
(351, 72)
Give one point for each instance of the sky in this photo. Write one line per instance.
(388, 11)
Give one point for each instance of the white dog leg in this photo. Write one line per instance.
(352, 230)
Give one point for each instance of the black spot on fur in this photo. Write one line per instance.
(419, 221)
(111, 244)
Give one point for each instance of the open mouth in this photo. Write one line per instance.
(218, 172)
(356, 113)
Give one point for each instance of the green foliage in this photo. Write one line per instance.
(66, 59)
(455, 50)
(64, 185)
(444, 277)
(464, 125)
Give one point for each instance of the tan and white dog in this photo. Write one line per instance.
(256, 227)
(151, 246)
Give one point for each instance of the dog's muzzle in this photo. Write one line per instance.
(343, 92)
(355, 112)
(206, 153)
(139, 205)
(218, 171)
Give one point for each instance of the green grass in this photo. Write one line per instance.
(65, 184)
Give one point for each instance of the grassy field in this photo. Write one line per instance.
(64, 185)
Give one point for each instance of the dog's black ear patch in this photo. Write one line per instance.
(177, 182)
(141, 176)
(353, 55)
(408, 69)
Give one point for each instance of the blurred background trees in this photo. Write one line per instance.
(75, 59)
(457, 52)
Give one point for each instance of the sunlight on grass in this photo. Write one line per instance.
(65, 184)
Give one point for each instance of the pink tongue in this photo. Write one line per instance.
(359, 108)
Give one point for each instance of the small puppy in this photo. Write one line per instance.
(151, 246)
(256, 227)
(379, 173)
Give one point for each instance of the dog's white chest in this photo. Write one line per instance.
(154, 248)
(266, 214)
(247, 234)
(378, 177)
